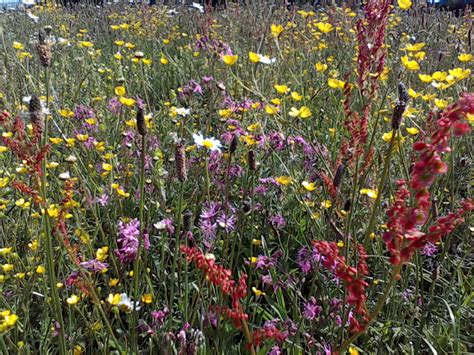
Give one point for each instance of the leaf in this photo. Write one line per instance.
(433, 350)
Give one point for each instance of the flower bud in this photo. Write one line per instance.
(36, 113)
(234, 143)
(347, 205)
(400, 107)
(180, 162)
(141, 126)
(339, 175)
(44, 50)
(251, 160)
(187, 221)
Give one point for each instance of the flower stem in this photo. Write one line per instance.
(176, 249)
(137, 265)
(378, 307)
(380, 187)
(47, 232)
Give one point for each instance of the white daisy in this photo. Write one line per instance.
(210, 143)
(266, 60)
(126, 304)
(183, 111)
(198, 6)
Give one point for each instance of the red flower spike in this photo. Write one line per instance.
(403, 237)
(222, 278)
(352, 277)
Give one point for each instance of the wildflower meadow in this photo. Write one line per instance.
(254, 179)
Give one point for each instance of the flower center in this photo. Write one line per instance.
(207, 143)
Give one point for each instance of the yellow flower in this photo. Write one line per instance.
(5, 251)
(404, 4)
(369, 192)
(306, 14)
(131, 122)
(387, 136)
(127, 101)
(425, 78)
(82, 137)
(119, 43)
(303, 112)
(324, 27)
(470, 117)
(415, 47)
(72, 300)
(113, 282)
(56, 140)
(22, 203)
(340, 244)
(18, 45)
(281, 89)
(309, 186)
(254, 57)
(33, 245)
(147, 61)
(413, 94)
(70, 142)
(428, 97)
(147, 298)
(439, 76)
(7, 267)
(465, 57)
(106, 167)
(320, 67)
(52, 165)
(4, 182)
(420, 55)
(411, 65)
(257, 292)
(121, 192)
(253, 127)
(276, 30)
(230, 59)
(53, 211)
(284, 180)
(120, 90)
(7, 320)
(40, 269)
(85, 44)
(101, 253)
(164, 61)
(335, 83)
(276, 101)
(352, 350)
(296, 96)
(114, 299)
(412, 130)
(326, 204)
(92, 121)
(459, 73)
(256, 242)
(66, 113)
(271, 110)
(441, 104)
